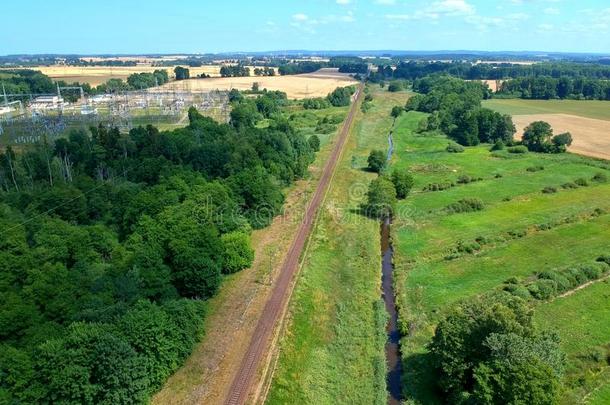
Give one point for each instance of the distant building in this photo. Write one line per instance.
(43, 102)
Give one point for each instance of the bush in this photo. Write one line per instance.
(591, 272)
(438, 186)
(604, 259)
(395, 86)
(403, 182)
(561, 281)
(499, 145)
(549, 190)
(376, 161)
(568, 186)
(519, 149)
(455, 148)
(518, 291)
(516, 234)
(535, 168)
(464, 179)
(581, 182)
(577, 275)
(600, 178)
(468, 247)
(237, 252)
(381, 198)
(543, 289)
(314, 143)
(316, 103)
(465, 205)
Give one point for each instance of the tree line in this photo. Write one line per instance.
(234, 71)
(412, 70)
(546, 88)
(112, 242)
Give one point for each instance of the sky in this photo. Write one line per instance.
(205, 26)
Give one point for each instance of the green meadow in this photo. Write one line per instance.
(520, 231)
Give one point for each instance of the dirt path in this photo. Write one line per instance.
(260, 344)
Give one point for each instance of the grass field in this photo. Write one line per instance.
(584, 108)
(526, 231)
(582, 320)
(333, 348)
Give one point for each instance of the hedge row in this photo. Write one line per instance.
(551, 283)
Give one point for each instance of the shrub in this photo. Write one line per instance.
(535, 168)
(515, 234)
(314, 143)
(468, 247)
(591, 272)
(381, 198)
(600, 178)
(465, 205)
(543, 289)
(464, 179)
(581, 182)
(549, 190)
(376, 161)
(578, 275)
(438, 186)
(498, 175)
(455, 148)
(403, 182)
(395, 86)
(604, 259)
(518, 291)
(563, 284)
(519, 149)
(568, 186)
(499, 145)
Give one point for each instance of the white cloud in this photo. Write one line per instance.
(300, 17)
(438, 9)
(343, 2)
(385, 2)
(551, 11)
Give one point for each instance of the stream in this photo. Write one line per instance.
(392, 348)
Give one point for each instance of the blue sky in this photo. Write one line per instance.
(200, 26)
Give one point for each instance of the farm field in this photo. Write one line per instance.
(585, 108)
(524, 231)
(95, 75)
(587, 121)
(333, 347)
(591, 136)
(317, 84)
(208, 372)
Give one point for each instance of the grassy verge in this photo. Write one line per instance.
(519, 232)
(333, 348)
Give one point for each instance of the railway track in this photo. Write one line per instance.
(274, 308)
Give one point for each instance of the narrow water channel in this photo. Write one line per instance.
(392, 348)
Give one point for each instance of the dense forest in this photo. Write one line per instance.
(111, 243)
